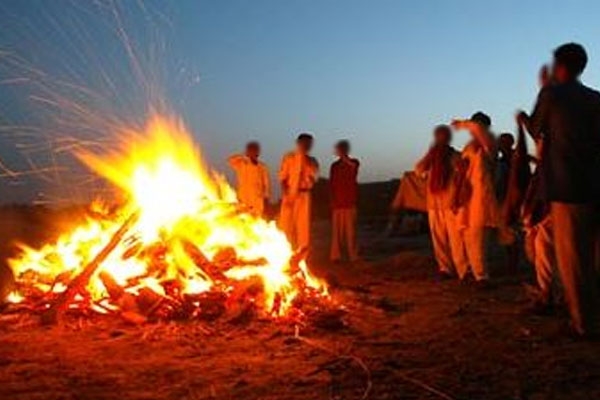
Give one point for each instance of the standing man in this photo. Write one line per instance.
(253, 188)
(439, 166)
(298, 174)
(475, 199)
(567, 119)
(539, 243)
(506, 142)
(539, 237)
(344, 195)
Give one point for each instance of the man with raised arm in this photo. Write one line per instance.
(253, 188)
(475, 201)
(566, 118)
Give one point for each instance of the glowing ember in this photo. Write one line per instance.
(14, 298)
(192, 237)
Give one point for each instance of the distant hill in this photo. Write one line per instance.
(374, 198)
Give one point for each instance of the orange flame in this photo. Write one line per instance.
(180, 202)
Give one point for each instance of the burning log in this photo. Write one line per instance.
(78, 284)
(226, 256)
(276, 308)
(296, 258)
(243, 290)
(133, 317)
(148, 301)
(207, 306)
(202, 262)
(133, 250)
(140, 307)
(244, 314)
(112, 287)
(241, 303)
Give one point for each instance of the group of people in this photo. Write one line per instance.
(463, 200)
(489, 188)
(297, 175)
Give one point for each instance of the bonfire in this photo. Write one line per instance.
(179, 246)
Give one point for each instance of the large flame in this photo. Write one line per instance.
(185, 211)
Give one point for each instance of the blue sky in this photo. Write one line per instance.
(379, 72)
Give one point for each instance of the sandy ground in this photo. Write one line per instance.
(407, 337)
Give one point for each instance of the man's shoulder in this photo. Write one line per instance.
(549, 92)
(577, 87)
(238, 159)
(340, 164)
(469, 148)
(289, 154)
(262, 164)
(594, 94)
(581, 94)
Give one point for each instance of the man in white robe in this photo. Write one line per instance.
(253, 187)
(477, 205)
(298, 174)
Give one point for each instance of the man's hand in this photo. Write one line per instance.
(461, 124)
(522, 118)
(545, 78)
(457, 123)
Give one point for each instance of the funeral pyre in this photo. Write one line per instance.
(180, 245)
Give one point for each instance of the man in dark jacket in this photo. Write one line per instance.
(566, 118)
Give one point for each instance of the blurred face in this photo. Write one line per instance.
(559, 73)
(253, 151)
(506, 142)
(304, 146)
(442, 137)
(341, 150)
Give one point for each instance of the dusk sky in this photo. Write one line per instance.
(380, 73)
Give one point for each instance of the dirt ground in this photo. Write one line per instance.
(408, 336)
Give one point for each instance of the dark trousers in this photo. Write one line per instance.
(574, 227)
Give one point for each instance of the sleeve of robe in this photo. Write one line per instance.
(236, 161)
(266, 182)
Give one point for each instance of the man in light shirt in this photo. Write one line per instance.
(475, 198)
(298, 174)
(253, 188)
(439, 167)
